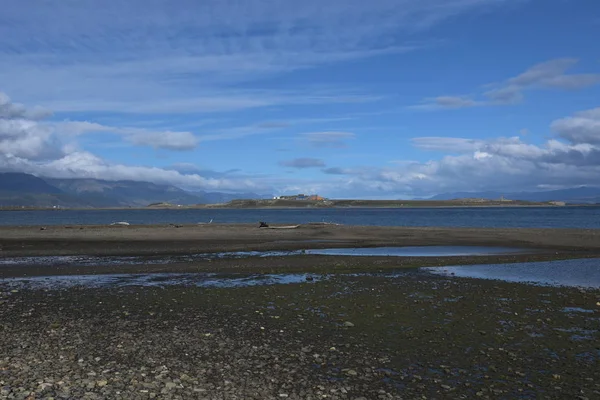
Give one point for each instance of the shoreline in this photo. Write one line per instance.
(201, 238)
(156, 243)
(299, 207)
(347, 337)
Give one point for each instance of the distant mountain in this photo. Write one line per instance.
(218, 197)
(25, 183)
(124, 193)
(579, 195)
(19, 189)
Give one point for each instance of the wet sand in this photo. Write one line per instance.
(153, 240)
(159, 241)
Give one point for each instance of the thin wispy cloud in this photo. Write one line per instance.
(328, 139)
(447, 144)
(303, 163)
(446, 102)
(168, 140)
(551, 74)
(165, 56)
(337, 171)
(120, 84)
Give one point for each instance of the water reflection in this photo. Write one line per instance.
(419, 251)
(407, 251)
(206, 280)
(581, 273)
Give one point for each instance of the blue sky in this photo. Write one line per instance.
(345, 98)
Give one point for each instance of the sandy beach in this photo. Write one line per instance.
(182, 239)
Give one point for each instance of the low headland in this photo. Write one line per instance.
(327, 203)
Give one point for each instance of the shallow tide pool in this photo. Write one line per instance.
(206, 280)
(407, 251)
(581, 273)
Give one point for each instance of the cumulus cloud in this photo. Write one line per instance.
(328, 139)
(21, 135)
(47, 148)
(504, 164)
(302, 163)
(583, 127)
(547, 75)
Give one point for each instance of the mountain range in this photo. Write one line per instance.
(578, 195)
(20, 189)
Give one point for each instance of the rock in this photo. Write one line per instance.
(102, 383)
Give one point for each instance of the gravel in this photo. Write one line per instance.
(348, 337)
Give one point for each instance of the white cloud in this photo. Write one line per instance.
(583, 127)
(86, 165)
(21, 135)
(47, 149)
(507, 163)
(184, 56)
(10, 110)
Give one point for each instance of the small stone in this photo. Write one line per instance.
(102, 383)
(348, 324)
(351, 372)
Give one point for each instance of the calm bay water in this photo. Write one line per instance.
(580, 273)
(491, 217)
